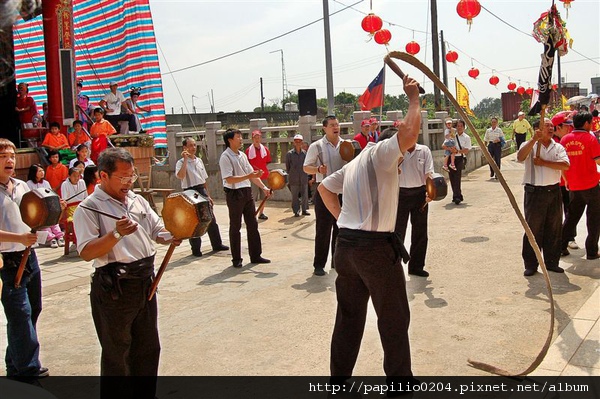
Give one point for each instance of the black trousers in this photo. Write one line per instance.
(588, 201)
(127, 329)
(115, 119)
(410, 203)
(520, 139)
(213, 228)
(455, 178)
(370, 268)
(241, 204)
(326, 231)
(565, 200)
(543, 212)
(495, 150)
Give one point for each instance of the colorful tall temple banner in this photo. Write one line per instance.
(113, 40)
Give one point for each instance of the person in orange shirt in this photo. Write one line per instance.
(78, 136)
(56, 172)
(101, 126)
(54, 139)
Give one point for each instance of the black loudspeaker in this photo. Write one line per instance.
(307, 102)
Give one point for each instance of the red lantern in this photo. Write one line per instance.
(371, 23)
(520, 90)
(474, 72)
(494, 80)
(529, 91)
(511, 86)
(555, 87)
(413, 48)
(468, 9)
(383, 36)
(451, 56)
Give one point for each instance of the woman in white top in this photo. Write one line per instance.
(494, 137)
(73, 189)
(35, 179)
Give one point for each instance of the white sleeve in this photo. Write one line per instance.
(335, 181)
(226, 166)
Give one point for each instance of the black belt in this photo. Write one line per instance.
(531, 188)
(413, 189)
(362, 238)
(111, 274)
(197, 187)
(227, 189)
(12, 259)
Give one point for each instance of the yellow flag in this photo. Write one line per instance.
(462, 96)
(564, 103)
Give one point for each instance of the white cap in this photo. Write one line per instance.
(113, 83)
(521, 113)
(299, 137)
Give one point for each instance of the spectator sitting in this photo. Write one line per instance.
(26, 107)
(112, 102)
(56, 172)
(54, 139)
(78, 136)
(80, 166)
(70, 187)
(35, 179)
(132, 104)
(100, 131)
(82, 156)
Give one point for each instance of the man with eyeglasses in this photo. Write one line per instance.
(23, 305)
(123, 254)
(322, 159)
(190, 170)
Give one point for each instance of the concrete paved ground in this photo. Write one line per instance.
(277, 319)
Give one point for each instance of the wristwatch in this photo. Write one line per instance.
(117, 235)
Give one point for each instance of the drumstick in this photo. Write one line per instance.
(100, 212)
(388, 60)
(21, 268)
(262, 205)
(161, 270)
(75, 195)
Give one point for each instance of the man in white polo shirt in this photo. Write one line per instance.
(111, 103)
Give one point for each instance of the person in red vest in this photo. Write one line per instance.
(259, 156)
(364, 136)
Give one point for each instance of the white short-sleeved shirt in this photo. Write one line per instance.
(323, 152)
(86, 163)
(42, 184)
(493, 134)
(68, 190)
(90, 225)
(195, 173)
(542, 175)
(114, 102)
(232, 164)
(415, 167)
(465, 142)
(369, 185)
(10, 217)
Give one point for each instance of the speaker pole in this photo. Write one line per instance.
(328, 66)
(262, 97)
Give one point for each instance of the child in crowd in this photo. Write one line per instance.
(74, 190)
(78, 136)
(82, 156)
(54, 139)
(449, 134)
(56, 172)
(35, 179)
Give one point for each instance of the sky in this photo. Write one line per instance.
(195, 32)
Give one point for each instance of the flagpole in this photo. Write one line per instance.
(382, 97)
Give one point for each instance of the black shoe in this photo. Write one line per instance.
(260, 260)
(491, 174)
(197, 253)
(529, 272)
(456, 201)
(44, 372)
(237, 263)
(296, 214)
(592, 257)
(221, 248)
(565, 252)
(262, 216)
(419, 272)
(319, 271)
(555, 269)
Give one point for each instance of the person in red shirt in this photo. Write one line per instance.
(582, 181)
(25, 104)
(56, 172)
(365, 134)
(54, 139)
(78, 136)
(259, 156)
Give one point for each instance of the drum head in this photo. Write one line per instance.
(187, 214)
(40, 208)
(436, 187)
(277, 179)
(349, 149)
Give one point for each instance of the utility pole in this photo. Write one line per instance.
(283, 79)
(444, 66)
(211, 101)
(436, 53)
(262, 97)
(328, 66)
(193, 106)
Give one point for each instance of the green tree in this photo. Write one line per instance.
(488, 107)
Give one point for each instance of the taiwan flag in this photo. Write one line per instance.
(373, 96)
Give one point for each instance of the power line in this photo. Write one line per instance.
(259, 44)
